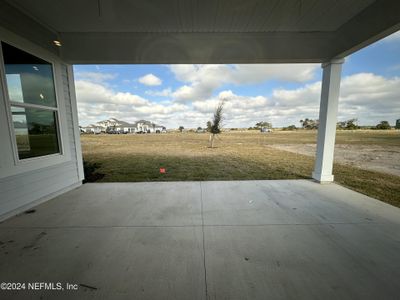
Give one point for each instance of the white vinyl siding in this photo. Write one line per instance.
(25, 189)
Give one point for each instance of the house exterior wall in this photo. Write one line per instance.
(26, 183)
(130, 129)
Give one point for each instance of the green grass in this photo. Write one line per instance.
(238, 156)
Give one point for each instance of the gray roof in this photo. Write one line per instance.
(91, 126)
(124, 124)
(120, 122)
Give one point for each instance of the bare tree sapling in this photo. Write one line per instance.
(216, 123)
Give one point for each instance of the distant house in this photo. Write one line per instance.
(149, 127)
(118, 126)
(397, 124)
(92, 128)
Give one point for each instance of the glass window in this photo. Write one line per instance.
(29, 79)
(32, 97)
(35, 131)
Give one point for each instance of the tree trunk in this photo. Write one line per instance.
(211, 141)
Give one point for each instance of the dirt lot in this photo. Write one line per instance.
(247, 155)
(385, 159)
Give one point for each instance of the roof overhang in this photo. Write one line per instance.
(294, 31)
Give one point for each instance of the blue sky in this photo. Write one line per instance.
(174, 95)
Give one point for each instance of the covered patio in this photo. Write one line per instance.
(289, 239)
(42, 40)
(293, 239)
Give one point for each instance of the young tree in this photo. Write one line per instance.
(181, 128)
(216, 123)
(209, 126)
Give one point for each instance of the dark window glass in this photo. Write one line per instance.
(35, 131)
(32, 96)
(29, 78)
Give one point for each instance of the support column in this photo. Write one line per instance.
(327, 120)
(77, 131)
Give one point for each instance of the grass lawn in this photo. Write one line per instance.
(237, 156)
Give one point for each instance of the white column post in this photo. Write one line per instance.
(327, 120)
(77, 131)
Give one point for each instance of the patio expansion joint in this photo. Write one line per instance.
(203, 236)
(191, 226)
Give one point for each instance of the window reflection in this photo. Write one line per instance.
(35, 131)
(29, 78)
(32, 99)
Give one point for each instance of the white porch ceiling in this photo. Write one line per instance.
(202, 31)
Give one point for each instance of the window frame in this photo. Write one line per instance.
(10, 104)
(10, 164)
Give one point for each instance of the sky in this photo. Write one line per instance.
(282, 94)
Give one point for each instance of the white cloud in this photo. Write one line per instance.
(95, 76)
(150, 80)
(285, 72)
(98, 101)
(91, 92)
(232, 103)
(202, 80)
(306, 95)
(369, 97)
(366, 96)
(194, 92)
(245, 73)
(163, 93)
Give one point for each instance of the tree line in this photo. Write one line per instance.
(351, 124)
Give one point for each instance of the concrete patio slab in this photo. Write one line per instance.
(284, 239)
(300, 262)
(289, 202)
(120, 204)
(106, 263)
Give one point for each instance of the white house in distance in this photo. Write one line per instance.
(146, 126)
(92, 128)
(115, 125)
(40, 41)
